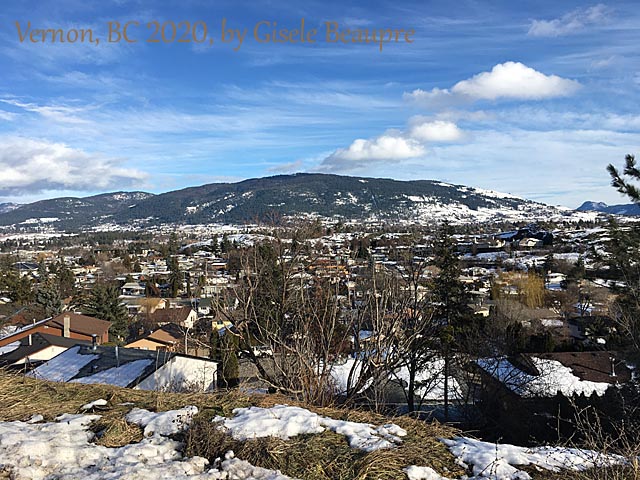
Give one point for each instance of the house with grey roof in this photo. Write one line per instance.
(130, 368)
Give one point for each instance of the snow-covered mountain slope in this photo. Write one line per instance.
(330, 197)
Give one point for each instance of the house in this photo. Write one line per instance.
(524, 396)
(530, 243)
(132, 289)
(545, 374)
(35, 349)
(130, 368)
(67, 324)
(137, 305)
(168, 337)
(183, 316)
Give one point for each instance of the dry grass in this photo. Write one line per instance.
(326, 456)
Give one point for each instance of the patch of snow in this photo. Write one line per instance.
(496, 461)
(162, 423)
(36, 419)
(422, 473)
(63, 450)
(284, 422)
(552, 322)
(430, 381)
(101, 402)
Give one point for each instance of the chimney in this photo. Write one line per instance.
(66, 321)
(94, 340)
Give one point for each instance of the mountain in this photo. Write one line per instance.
(308, 194)
(625, 209)
(7, 207)
(72, 212)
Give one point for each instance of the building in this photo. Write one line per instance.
(130, 368)
(68, 325)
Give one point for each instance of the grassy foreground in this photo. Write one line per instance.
(325, 456)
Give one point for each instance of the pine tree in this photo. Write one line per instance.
(66, 280)
(48, 298)
(103, 303)
(175, 277)
(621, 184)
(223, 349)
(450, 300)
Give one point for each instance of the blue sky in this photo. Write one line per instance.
(530, 98)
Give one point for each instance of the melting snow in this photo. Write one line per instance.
(495, 461)
(162, 423)
(284, 422)
(101, 402)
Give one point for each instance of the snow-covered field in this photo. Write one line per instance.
(63, 449)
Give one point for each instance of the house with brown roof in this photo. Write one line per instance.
(67, 324)
(168, 337)
(183, 316)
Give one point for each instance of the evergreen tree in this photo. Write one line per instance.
(223, 349)
(66, 280)
(19, 289)
(43, 274)
(450, 302)
(175, 277)
(103, 303)
(621, 184)
(47, 297)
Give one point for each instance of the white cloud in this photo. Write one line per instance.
(362, 152)
(436, 131)
(385, 147)
(515, 80)
(30, 165)
(57, 113)
(510, 80)
(570, 23)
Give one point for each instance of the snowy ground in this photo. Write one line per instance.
(64, 450)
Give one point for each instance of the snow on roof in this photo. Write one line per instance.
(120, 376)
(284, 422)
(63, 367)
(9, 348)
(554, 377)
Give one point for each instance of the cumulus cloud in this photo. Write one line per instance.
(30, 165)
(570, 23)
(362, 152)
(436, 131)
(509, 80)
